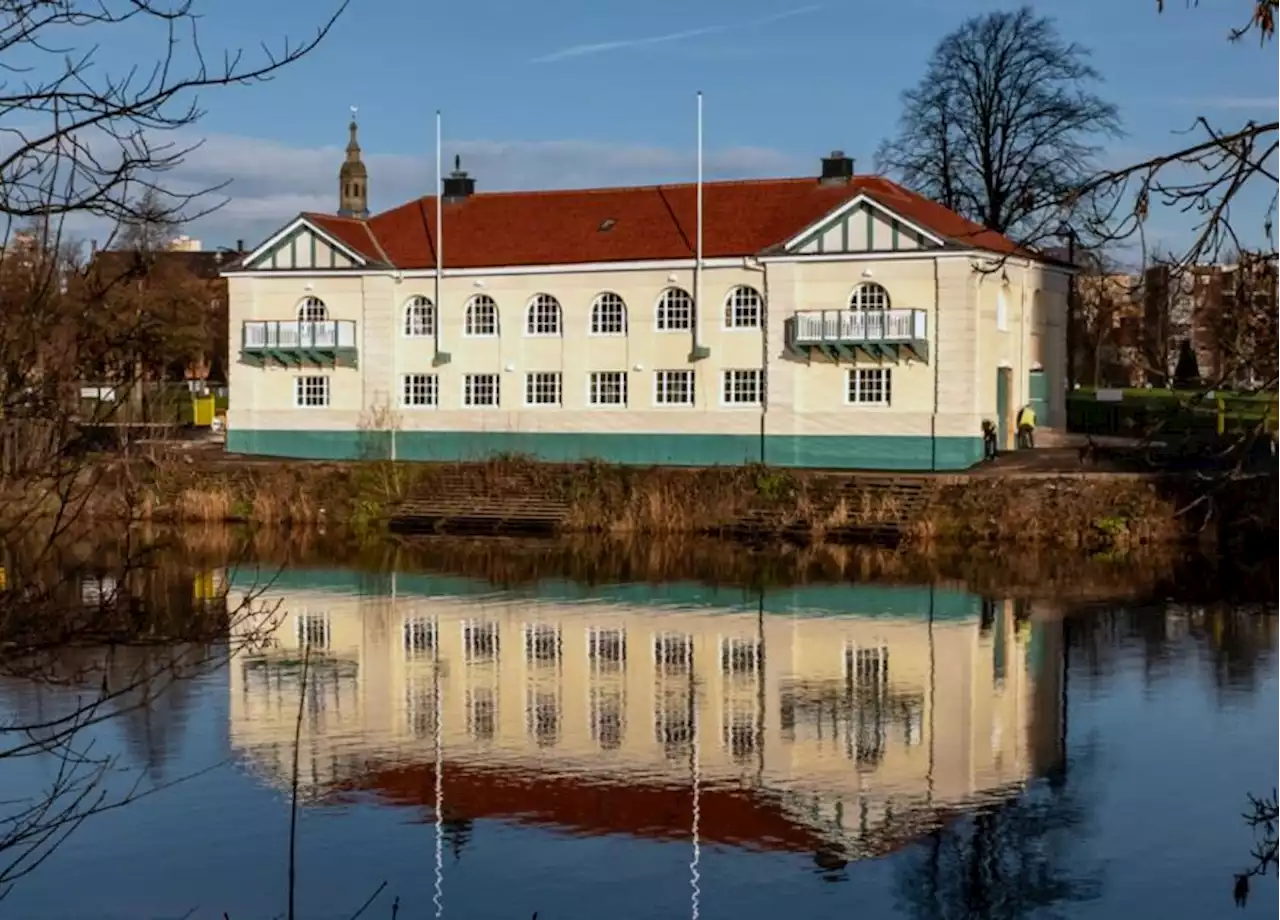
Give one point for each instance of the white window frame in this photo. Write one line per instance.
(728, 375)
(313, 310)
(430, 386)
(299, 390)
(420, 635)
(419, 318)
(661, 319)
(301, 632)
(469, 324)
(658, 378)
(468, 391)
(473, 627)
(741, 298)
(869, 296)
(852, 391)
(537, 317)
(594, 391)
(530, 631)
(531, 381)
(618, 312)
(596, 663)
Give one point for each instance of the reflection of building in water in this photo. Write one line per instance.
(823, 713)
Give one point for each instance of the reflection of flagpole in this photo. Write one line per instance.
(696, 769)
(438, 898)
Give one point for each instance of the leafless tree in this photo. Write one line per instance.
(1002, 125)
(80, 142)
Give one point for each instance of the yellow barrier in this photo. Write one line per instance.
(202, 411)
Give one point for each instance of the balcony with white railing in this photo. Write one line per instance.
(327, 343)
(878, 333)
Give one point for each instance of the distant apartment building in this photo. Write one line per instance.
(1131, 327)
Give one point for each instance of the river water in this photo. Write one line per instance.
(668, 748)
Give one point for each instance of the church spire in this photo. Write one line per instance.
(353, 177)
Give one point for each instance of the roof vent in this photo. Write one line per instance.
(837, 169)
(458, 186)
(607, 224)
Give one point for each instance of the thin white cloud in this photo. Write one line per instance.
(270, 182)
(620, 44)
(1271, 103)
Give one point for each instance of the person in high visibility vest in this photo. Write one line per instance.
(1026, 428)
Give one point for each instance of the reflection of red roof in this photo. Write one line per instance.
(732, 816)
(742, 218)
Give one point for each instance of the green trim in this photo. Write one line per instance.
(854, 452)
(312, 238)
(293, 251)
(871, 230)
(906, 601)
(844, 234)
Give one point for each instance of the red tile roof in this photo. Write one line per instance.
(498, 229)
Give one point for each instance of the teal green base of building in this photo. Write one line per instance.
(848, 452)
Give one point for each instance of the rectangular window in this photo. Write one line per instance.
(673, 388)
(869, 386)
(608, 388)
(542, 388)
(314, 630)
(742, 388)
(480, 390)
(419, 637)
(420, 390)
(311, 392)
(606, 650)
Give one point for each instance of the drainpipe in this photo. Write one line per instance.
(750, 264)
(933, 419)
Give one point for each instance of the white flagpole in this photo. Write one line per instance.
(439, 227)
(697, 260)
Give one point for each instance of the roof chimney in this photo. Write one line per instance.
(837, 169)
(239, 245)
(458, 186)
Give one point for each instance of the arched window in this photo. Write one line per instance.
(544, 316)
(743, 308)
(419, 317)
(609, 315)
(869, 296)
(312, 310)
(675, 309)
(481, 317)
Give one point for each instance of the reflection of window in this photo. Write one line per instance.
(740, 657)
(911, 716)
(673, 653)
(314, 630)
(673, 720)
(607, 649)
(866, 686)
(608, 716)
(420, 701)
(542, 645)
(739, 734)
(542, 715)
(479, 641)
(482, 712)
(419, 637)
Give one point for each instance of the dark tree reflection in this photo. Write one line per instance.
(1005, 860)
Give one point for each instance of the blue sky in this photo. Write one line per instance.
(562, 94)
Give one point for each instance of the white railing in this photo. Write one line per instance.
(266, 335)
(859, 326)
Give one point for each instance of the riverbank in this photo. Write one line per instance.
(1090, 510)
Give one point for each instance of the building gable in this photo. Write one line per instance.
(862, 225)
(302, 246)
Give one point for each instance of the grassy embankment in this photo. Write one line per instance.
(1096, 511)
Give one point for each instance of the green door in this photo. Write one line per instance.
(1004, 376)
(1038, 397)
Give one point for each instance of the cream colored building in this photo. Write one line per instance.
(805, 726)
(834, 321)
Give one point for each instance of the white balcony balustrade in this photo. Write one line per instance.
(290, 342)
(880, 333)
